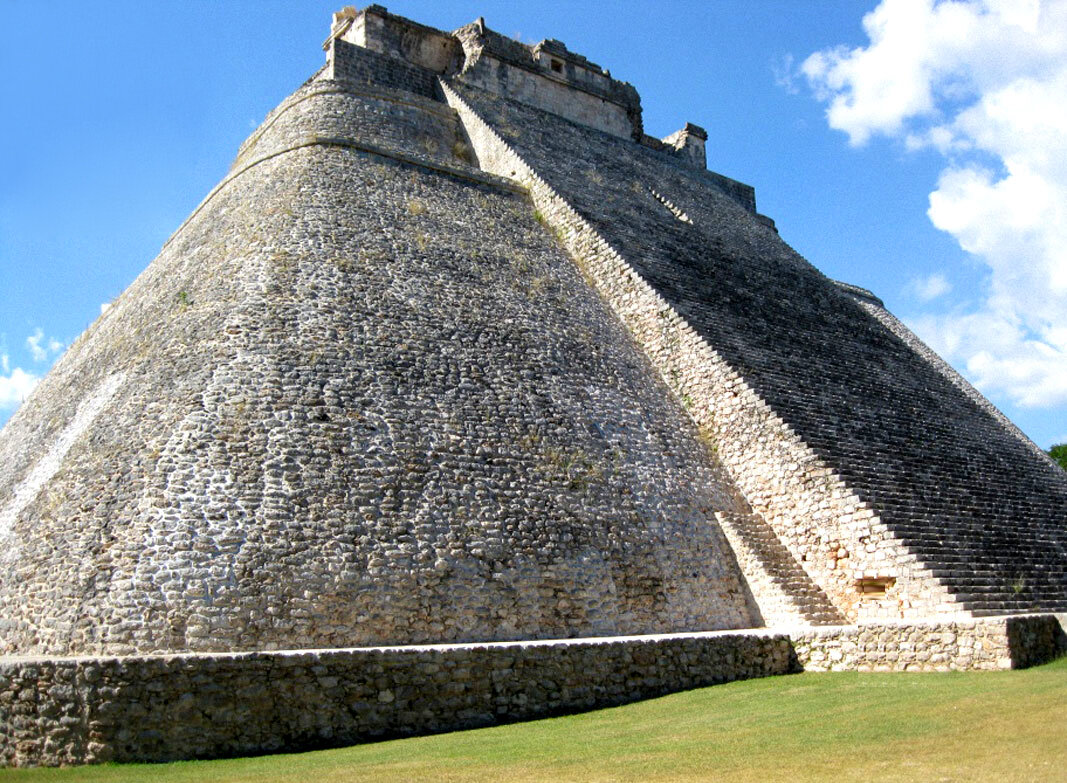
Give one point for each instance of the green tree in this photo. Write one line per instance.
(1059, 453)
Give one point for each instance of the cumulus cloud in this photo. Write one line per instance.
(33, 342)
(40, 349)
(930, 287)
(785, 74)
(15, 385)
(984, 82)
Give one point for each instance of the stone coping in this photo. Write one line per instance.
(781, 630)
(413, 648)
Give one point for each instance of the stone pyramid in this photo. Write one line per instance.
(457, 352)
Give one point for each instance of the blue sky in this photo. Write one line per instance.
(121, 117)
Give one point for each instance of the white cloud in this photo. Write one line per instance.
(930, 287)
(1001, 355)
(15, 385)
(785, 74)
(52, 346)
(984, 82)
(33, 342)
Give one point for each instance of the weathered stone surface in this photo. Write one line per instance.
(454, 353)
(160, 708)
(359, 401)
(1012, 642)
(863, 454)
(204, 705)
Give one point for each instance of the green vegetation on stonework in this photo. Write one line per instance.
(1059, 453)
(999, 726)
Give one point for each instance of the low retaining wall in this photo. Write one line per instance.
(160, 708)
(994, 643)
(166, 707)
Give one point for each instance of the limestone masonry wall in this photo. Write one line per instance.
(740, 426)
(338, 109)
(867, 462)
(161, 708)
(376, 29)
(1013, 642)
(552, 78)
(455, 353)
(63, 711)
(365, 66)
(357, 401)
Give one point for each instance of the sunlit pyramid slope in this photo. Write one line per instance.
(457, 352)
(900, 489)
(873, 473)
(362, 396)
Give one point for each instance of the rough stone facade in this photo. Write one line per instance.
(457, 353)
(78, 710)
(962, 645)
(866, 459)
(162, 708)
(394, 428)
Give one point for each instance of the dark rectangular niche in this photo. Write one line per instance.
(874, 586)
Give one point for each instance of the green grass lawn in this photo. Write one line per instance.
(999, 726)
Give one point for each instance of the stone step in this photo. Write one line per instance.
(782, 586)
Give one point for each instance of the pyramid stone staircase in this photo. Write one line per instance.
(786, 595)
